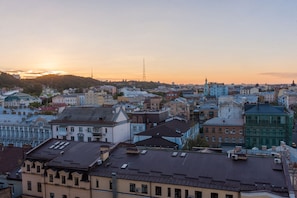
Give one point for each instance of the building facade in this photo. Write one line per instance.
(215, 89)
(125, 171)
(108, 124)
(24, 128)
(220, 131)
(267, 125)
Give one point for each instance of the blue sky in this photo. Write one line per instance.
(231, 41)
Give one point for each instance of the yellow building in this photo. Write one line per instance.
(86, 169)
(60, 168)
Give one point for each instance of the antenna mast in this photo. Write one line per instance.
(143, 72)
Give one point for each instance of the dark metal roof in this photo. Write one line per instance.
(156, 142)
(99, 115)
(173, 128)
(67, 154)
(264, 109)
(214, 171)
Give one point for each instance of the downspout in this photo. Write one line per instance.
(114, 185)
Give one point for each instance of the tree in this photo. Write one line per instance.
(198, 141)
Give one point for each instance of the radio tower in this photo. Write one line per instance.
(143, 71)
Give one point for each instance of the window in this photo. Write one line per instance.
(72, 138)
(72, 129)
(226, 130)
(28, 167)
(52, 195)
(38, 169)
(168, 192)
(132, 187)
(89, 139)
(158, 190)
(51, 178)
(76, 181)
(63, 179)
(80, 129)
(198, 194)
(229, 196)
(213, 139)
(144, 188)
(110, 184)
(64, 196)
(11, 187)
(186, 193)
(39, 187)
(177, 193)
(89, 129)
(213, 130)
(214, 195)
(97, 183)
(29, 185)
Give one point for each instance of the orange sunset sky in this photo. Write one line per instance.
(229, 41)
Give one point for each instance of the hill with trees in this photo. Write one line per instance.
(62, 82)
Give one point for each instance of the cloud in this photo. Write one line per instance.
(280, 74)
(34, 74)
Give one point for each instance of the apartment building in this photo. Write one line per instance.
(215, 89)
(220, 132)
(179, 107)
(22, 127)
(55, 169)
(61, 168)
(267, 125)
(172, 134)
(11, 160)
(18, 99)
(143, 120)
(108, 124)
(68, 99)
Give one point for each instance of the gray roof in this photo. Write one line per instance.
(156, 142)
(103, 115)
(173, 128)
(66, 154)
(265, 109)
(215, 171)
(223, 122)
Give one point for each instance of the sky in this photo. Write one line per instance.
(180, 41)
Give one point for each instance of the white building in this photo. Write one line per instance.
(71, 99)
(21, 127)
(108, 124)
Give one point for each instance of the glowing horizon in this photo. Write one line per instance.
(181, 41)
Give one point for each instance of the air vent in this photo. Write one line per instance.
(183, 154)
(143, 152)
(174, 154)
(124, 166)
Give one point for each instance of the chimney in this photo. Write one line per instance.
(104, 152)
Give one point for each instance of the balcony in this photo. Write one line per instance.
(97, 132)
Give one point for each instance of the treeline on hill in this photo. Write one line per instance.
(62, 82)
